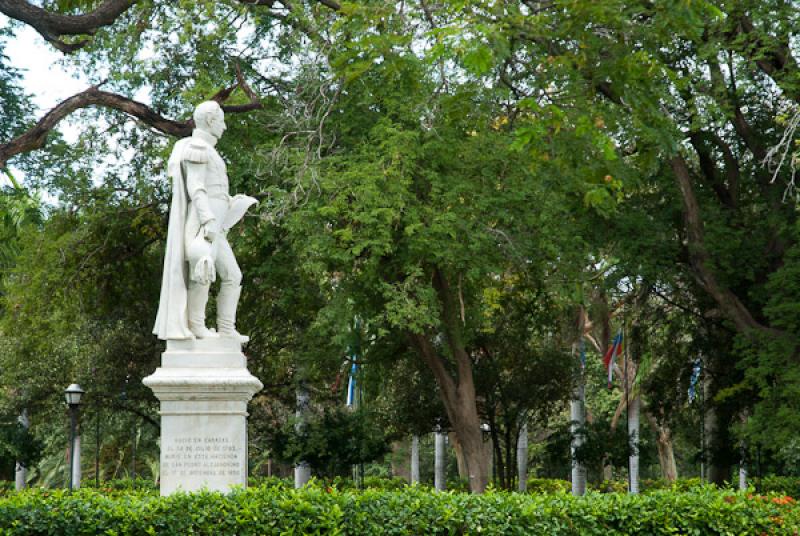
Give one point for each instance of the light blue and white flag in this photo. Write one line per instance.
(351, 386)
(696, 370)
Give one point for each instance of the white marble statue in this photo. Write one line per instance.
(198, 251)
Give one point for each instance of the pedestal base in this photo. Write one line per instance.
(204, 387)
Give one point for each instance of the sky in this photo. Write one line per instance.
(43, 78)
(49, 82)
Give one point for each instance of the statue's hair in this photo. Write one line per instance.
(205, 111)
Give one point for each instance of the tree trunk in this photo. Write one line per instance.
(719, 472)
(604, 313)
(462, 466)
(633, 460)
(401, 467)
(718, 466)
(499, 470)
(522, 459)
(666, 454)
(743, 468)
(577, 420)
(510, 458)
(467, 427)
(700, 258)
(21, 473)
(414, 459)
(457, 391)
(439, 462)
(302, 471)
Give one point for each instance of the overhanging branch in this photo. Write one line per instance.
(36, 136)
(700, 258)
(773, 56)
(54, 26)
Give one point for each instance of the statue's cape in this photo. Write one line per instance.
(172, 321)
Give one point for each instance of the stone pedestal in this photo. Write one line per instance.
(204, 387)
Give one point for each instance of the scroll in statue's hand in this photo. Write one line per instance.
(236, 209)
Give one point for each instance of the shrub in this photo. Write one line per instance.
(548, 485)
(371, 482)
(682, 484)
(270, 482)
(122, 484)
(786, 485)
(332, 441)
(648, 485)
(457, 484)
(320, 510)
(610, 486)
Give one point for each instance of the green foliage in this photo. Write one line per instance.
(80, 295)
(18, 445)
(548, 485)
(122, 485)
(680, 485)
(333, 441)
(501, 147)
(601, 445)
(13, 101)
(785, 485)
(321, 510)
(370, 482)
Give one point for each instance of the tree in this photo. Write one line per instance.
(523, 369)
(399, 230)
(333, 441)
(627, 101)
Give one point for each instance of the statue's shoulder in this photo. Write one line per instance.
(196, 151)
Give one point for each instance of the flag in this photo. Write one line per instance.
(608, 359)
(351, 385)
(696, 370)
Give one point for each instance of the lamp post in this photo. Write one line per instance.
(73, 394)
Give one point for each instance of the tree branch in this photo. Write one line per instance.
(330, 4)
(739, 121)
(431, 358)
(115, 404)
(725, 193)
(699, 256)
(36, 136)
(452, 329)
(773, 57)
(52, 26)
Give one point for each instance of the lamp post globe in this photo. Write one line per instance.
(72, 395)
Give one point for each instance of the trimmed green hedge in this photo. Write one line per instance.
(321, 510)
(548, 485)
(784, 485)
(788, 485)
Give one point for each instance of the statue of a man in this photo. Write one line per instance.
(197, 251)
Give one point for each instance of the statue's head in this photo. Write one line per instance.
(208, 116)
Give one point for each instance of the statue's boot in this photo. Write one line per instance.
(227, 300)
(197, 298)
